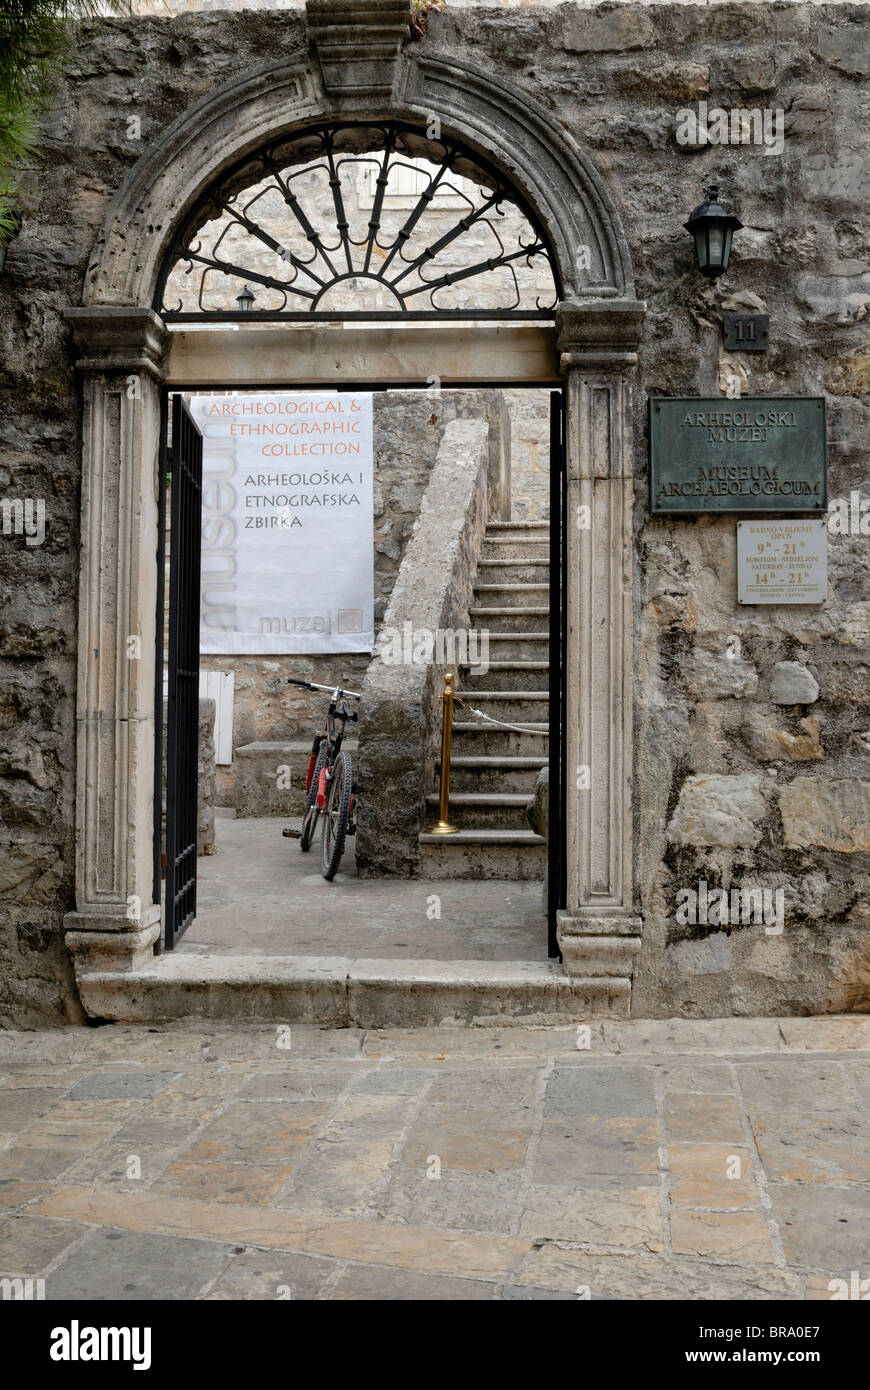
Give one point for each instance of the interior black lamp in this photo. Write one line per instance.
(712, 229)
(245, 300)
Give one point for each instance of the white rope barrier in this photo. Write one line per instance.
(516, 728)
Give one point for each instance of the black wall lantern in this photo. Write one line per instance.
(245, 300)
(712, 229)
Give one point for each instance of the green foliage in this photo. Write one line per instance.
(33, 37)
(420, 11)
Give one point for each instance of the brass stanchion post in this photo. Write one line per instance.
(443, 826)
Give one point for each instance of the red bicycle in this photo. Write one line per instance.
(330, 792)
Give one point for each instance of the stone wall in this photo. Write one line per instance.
(400, 720)
(791, 809)
(530, 454)
(753, 739)
(205, 779)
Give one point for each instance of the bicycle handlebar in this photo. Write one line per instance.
(332, 689)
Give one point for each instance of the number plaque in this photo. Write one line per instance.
(745, 332)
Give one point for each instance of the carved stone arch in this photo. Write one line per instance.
(537, 155)
(222, 127)
(490, 116)
(358, 64)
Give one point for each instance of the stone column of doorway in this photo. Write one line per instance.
(599, 930)
(116, 923)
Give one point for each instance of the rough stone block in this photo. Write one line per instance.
(603, 31)
(838, 299)
(846, 47)
(770, 744)
(793, 684)
(751, 72)
(849, 376)
(673, 82)
(849, 685)
(718, 810)
(711, 676)
(828, 179)
(831, 814)
(710, 956)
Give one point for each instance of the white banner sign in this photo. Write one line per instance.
(287, 523)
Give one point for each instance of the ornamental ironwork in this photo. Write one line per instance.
(371, 221)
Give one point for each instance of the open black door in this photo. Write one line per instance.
(556, 867)
(184, 467)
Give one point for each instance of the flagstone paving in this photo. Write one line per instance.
(708, 1159)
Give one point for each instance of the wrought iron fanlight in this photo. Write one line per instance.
(312, 227)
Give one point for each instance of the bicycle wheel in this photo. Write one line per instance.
(312, 810)
(336, 816)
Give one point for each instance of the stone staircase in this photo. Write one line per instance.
(493, 770)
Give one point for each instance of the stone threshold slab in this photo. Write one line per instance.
(346, 993)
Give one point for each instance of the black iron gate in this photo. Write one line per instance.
(556, 862)
(184, 461)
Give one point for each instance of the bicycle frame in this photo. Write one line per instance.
(337, 716)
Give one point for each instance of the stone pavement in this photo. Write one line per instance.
(657, 1159)
(259, 895)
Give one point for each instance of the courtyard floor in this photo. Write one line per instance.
(260, 895)
(674, 1160)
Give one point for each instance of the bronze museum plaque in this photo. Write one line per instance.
(752, 454)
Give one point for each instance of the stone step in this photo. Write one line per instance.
(256, 776)
(511, 595)
(533, 557)
(503, 548)
(510, 646)
(519, 676)
(502, 619)
(515, 706)
(532, 571)
(341, 992)
(499, 774)
(484, 810)
(525, 533)
(518, 855)
(476, 739)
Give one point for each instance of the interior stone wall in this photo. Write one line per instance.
(530, 454)
(787, 796)
(400, 723)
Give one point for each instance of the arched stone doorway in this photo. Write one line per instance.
(353, 68)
